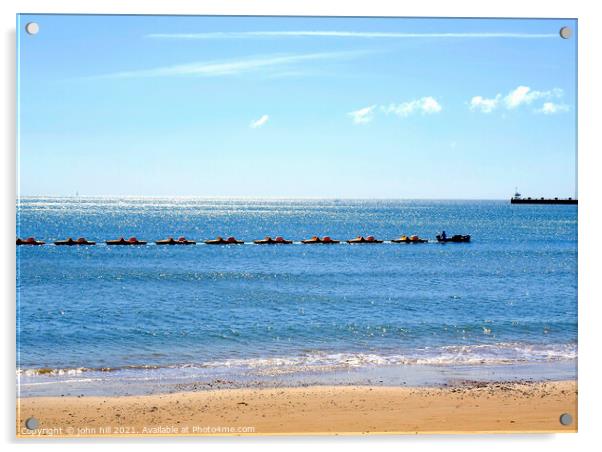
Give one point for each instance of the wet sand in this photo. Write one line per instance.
(467, 408)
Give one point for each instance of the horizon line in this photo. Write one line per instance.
(242, 197)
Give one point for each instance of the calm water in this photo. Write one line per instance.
(509, 297)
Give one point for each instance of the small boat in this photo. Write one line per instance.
(29, 241)
(410, 239)
(71, 242)
(222, 241)
(172, 241)
(360, 239)
(326, 240)
(454, 239)
(270, 241)
(122, 241)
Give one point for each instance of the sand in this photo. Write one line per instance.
(471, 407)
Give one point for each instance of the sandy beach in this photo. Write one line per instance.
(471, 407)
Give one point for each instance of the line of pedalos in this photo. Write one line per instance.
(326, 240)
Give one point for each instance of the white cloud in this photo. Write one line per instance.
(363, 115)
(483, 104)
(347, 34)
(525, 95)
(550, 108)
(259, 122)
(234, 67)
(424, 105)
(429, 105)
(521, 95)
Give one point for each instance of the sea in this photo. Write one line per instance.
(146, 319)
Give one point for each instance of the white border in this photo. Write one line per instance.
(589, 218)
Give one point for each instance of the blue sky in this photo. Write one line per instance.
(296, 107)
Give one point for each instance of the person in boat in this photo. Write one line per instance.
(455, 238)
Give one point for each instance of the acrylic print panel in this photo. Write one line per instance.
(272, 225)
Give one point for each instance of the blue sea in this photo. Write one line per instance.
(101, 319)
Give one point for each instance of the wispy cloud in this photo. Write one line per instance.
(259, 122)
(520, 96)
(424, 105)
(234, 67)
(363, 115)
(348, 34)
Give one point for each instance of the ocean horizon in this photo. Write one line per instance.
(257, 198)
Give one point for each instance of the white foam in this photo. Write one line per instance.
(319, 361)
(501, 353)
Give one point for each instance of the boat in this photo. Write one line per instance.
(326, 240)
(222, 241)
(172, 241)
(519, 199)
(454, 239)
(270, 241)
(71, 242)
(360, 239)
(29, 241)
(410, 239)
(565, 201)
(122, 241)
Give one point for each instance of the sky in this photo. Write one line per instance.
(294, 107)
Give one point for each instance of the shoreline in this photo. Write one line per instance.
(471, 407)
(245, 375)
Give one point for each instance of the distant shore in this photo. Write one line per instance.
(470, 407)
